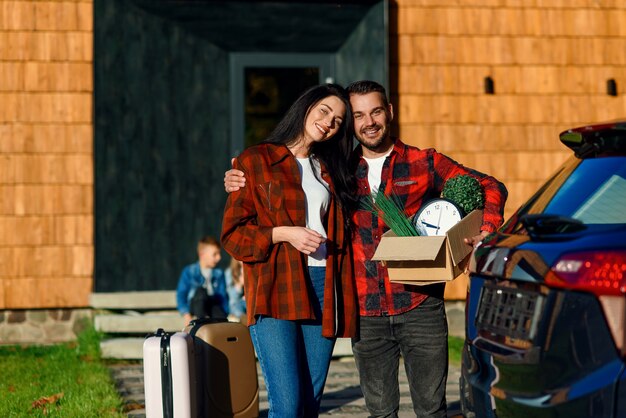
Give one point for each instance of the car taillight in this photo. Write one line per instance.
(602, 273)
(598, 272)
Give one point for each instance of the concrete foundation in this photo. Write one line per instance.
(42, 326)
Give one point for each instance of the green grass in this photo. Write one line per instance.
(455, 348)
(64, 380)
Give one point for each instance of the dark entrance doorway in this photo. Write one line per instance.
(264, 85)
(268, 93)
(181, 87)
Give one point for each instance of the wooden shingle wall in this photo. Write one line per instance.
(549, 59)
(46, 162)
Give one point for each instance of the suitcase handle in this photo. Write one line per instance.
(166, 376)
(159, 333)
(197, 323)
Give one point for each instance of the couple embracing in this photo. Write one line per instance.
(295, 217)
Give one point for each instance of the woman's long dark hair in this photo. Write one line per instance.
(335, 152)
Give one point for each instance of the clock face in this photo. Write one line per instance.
(436, 217)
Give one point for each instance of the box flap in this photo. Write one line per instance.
(393, 247)
(419, 283)
(467, 227)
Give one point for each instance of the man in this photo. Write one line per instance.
(395, 318)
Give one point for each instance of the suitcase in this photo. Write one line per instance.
(226, 368)
(169, 375)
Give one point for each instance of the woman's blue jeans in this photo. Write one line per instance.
(294, 358)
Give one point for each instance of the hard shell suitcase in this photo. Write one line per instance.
(169, 375)
(227, 379)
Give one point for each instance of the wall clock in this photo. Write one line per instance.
(436, 217)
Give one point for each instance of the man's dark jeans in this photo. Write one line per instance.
(421, 335)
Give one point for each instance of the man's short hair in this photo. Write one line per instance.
(368, 86)
(208, 240)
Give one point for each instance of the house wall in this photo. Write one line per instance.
(161, 146)
(46, 168)
(549, 59)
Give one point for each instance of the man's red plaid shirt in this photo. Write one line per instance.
(415, 176)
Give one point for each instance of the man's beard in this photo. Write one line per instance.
(373, 146)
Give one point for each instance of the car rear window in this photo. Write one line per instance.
(592, 191)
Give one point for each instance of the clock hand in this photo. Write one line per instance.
(439, 220)
(429, 225)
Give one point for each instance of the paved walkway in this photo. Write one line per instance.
(342, 395)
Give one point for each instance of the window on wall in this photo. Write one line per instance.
(268, 94)
(264, 86)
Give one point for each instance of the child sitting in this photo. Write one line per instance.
(201, 289)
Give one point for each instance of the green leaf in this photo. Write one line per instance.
(391, 210)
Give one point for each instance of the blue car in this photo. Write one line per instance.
(546, 308)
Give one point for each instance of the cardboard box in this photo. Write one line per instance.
(426, 260)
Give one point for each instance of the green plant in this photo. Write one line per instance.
(391, 209)
(465, 191)
(455, 350)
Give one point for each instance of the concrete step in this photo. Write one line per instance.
(129, 348)
(132, 348)
(135, 322)
(158, 299)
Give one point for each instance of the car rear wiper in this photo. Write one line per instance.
(550, 226)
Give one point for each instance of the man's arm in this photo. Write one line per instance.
(182, 291)
(495, 194)
(233, 179)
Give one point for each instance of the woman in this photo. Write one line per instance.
(234, 287)
(289, 227)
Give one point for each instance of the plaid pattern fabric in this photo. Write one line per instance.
(415, 176)
(276, 278)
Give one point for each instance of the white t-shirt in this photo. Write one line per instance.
(317, 201)
(207, 273)
(375, 171)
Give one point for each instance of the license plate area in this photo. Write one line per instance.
(509, 313)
